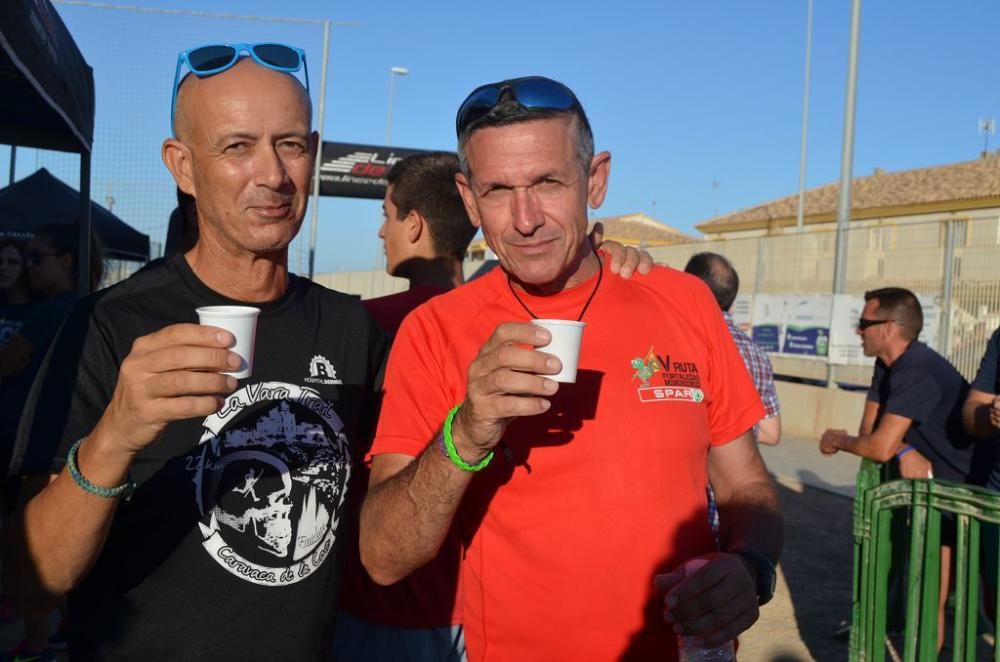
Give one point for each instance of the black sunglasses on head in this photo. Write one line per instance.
(530, 92)
(864, 324)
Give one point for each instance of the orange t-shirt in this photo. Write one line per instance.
(565, 529)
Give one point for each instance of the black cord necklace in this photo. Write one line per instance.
(600, 275)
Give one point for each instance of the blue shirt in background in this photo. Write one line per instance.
(923, 386)
(987, 379)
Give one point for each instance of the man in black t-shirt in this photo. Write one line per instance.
(981, 413)
(913, 409)
(981, 418)
(230, 545)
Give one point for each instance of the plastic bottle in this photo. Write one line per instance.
(822, 343)
(687, 648)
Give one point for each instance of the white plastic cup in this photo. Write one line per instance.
(565, 345)
(241, 321)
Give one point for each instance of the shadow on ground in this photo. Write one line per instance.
(817, 564)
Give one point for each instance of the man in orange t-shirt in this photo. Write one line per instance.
(575, 530)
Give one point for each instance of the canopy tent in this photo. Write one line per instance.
(47, 95)
(41, 199)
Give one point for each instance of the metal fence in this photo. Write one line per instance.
(898, 530)
(956, 261)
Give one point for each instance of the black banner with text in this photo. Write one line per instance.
(348, 170)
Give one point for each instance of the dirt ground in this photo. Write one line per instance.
(813, 594)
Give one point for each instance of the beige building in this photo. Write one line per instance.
(903, 225)
(934, 230)
(957, 191)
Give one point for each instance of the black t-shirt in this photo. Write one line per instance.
(40, 322)
(988, 381)
(988, 376)
(921, 385)
(231, 546)
(12, 388)
(12, 316)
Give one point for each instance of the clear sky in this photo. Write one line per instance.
(683, 94)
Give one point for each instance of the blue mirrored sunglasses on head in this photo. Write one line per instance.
(213, 59)
(530, 92)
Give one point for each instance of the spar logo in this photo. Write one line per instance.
(667, 393)
(663, 380)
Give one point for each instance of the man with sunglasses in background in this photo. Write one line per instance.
(913, 411)
(189, 515)
(570, 498)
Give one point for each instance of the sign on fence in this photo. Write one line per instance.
(807, 326)
(821, 325)
(792, 324)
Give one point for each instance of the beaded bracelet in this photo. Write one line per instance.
(107, 492)
(449, 445)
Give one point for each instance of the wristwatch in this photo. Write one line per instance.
(767, 578)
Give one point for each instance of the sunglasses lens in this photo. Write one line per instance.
(479, 103)
(530, 92)
(276, 55)
(210, 58)
(543, 93)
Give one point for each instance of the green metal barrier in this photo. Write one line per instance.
(879, 547)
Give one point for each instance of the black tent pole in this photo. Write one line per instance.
(13, 161)
(83, 267)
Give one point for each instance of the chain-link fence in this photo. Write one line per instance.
(956, 261)
(133, 52)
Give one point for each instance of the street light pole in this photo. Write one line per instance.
(805, 121)
(314, 221)
(847, 155)
(393, 72)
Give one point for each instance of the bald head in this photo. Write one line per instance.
(244, 150)
(718, 274)
(241, 87)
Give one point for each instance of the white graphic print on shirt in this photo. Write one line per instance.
(270, 477)
(8, 329)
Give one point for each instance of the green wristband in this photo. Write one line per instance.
(106, 492)
(449, 445)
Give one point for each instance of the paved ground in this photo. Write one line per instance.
(814, 577)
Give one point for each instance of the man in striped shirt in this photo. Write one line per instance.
(722, 279)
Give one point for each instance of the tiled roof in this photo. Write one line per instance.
(636, 228)
(965, 181)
